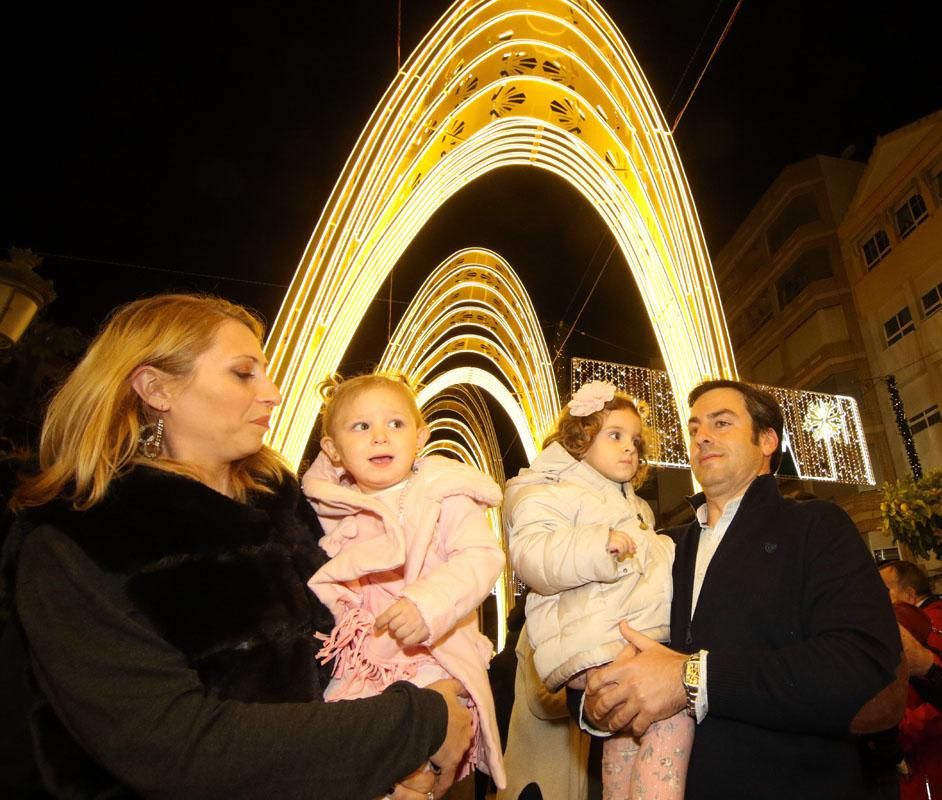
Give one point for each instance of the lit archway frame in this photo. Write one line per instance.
(552, 85)
(474, 309)
(462, 428)
(474, 306)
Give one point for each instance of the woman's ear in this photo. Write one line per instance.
(152, 386)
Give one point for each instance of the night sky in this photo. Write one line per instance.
(151, 148)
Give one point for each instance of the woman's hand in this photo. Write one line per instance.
(404, 622)
(457, 737)
(420, 785)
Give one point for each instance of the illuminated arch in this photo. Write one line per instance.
(462, 415)
(474, 306)
(474, 309)
(554, 86)
(462, 427)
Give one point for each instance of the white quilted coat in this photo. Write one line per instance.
(557, 515)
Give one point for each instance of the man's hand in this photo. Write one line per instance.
(642, 685)
(620, 545)
(918, 658)
(404, 622)
(457, 737)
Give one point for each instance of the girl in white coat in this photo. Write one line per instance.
(584, 543)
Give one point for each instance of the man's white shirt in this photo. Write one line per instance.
(710, 538)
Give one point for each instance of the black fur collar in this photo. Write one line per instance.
(223, 581)
(149, 514)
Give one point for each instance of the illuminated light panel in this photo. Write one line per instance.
(840, 456)
(546, 83)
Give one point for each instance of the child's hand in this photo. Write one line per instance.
(404, 623)
(620, 545)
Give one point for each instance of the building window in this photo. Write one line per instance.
(800, 211)
(932, 301)
(754, 317)
(898, 326)
(924, 419)
(910, 214)
(875, 248)
(812, 265)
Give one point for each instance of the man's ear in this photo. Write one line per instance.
(153, 387)
(768, 441)
(422, 435)
(328, 446)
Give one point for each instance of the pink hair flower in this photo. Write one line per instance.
(591, 397)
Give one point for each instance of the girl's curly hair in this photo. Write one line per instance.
(576, 434)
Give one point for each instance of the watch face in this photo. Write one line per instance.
(692, 672)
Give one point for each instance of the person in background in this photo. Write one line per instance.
(920, 731)
(908, 583)
(924, 669)
(161, 644)
(547, 754)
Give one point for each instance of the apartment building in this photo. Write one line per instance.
(891, 240)
(790, 307)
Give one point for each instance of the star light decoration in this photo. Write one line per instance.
(823, 421)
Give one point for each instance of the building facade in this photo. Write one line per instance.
(790, 308)
(891, 239)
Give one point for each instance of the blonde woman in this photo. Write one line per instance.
(163, 628)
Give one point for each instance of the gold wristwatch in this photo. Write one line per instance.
(691, 678)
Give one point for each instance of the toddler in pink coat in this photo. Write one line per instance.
(412, 555)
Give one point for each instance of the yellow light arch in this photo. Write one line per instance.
(551, 85)
(474, 309)
(473, 305)
(462, 427)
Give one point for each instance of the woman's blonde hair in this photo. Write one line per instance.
(576, 434)
(93, 423)
(337, 392)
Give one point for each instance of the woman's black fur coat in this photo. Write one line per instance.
(223, 582)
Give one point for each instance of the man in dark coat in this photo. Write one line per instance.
(781, 629)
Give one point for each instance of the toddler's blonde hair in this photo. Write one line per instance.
(337, 392)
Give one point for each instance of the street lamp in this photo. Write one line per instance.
(22, 294)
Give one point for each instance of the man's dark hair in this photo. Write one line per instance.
(909, 576)
(763, 409)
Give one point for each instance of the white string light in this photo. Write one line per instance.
(823, 432)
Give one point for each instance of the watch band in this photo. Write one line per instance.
(691, 678)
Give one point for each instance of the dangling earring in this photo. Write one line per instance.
(150, 438)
